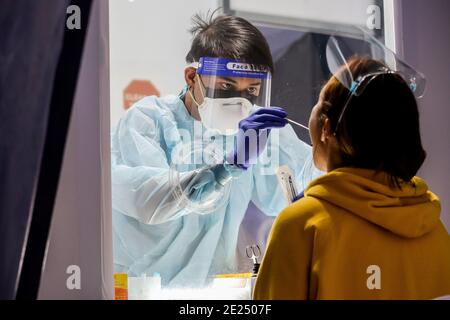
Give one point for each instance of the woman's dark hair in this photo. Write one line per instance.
(380, 129)
(228, 37)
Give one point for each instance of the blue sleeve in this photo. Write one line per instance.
(141, 183)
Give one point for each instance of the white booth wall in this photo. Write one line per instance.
(81, 229)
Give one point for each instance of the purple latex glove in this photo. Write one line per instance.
(253, 134)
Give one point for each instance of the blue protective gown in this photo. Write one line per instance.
(152, 231)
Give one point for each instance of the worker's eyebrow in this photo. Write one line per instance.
(235, 82)
(229, 79)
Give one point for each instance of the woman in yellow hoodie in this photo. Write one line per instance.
(369, 228)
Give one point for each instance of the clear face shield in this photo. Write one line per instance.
(230, 89)
(339, 51)
(333, 54)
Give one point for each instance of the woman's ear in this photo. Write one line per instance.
(189, 76)
(326, 130)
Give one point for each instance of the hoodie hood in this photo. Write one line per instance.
(410, 212)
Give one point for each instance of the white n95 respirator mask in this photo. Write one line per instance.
(224, 115)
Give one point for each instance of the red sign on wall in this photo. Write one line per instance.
(137, 90)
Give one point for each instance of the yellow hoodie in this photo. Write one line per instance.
(354, 237)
